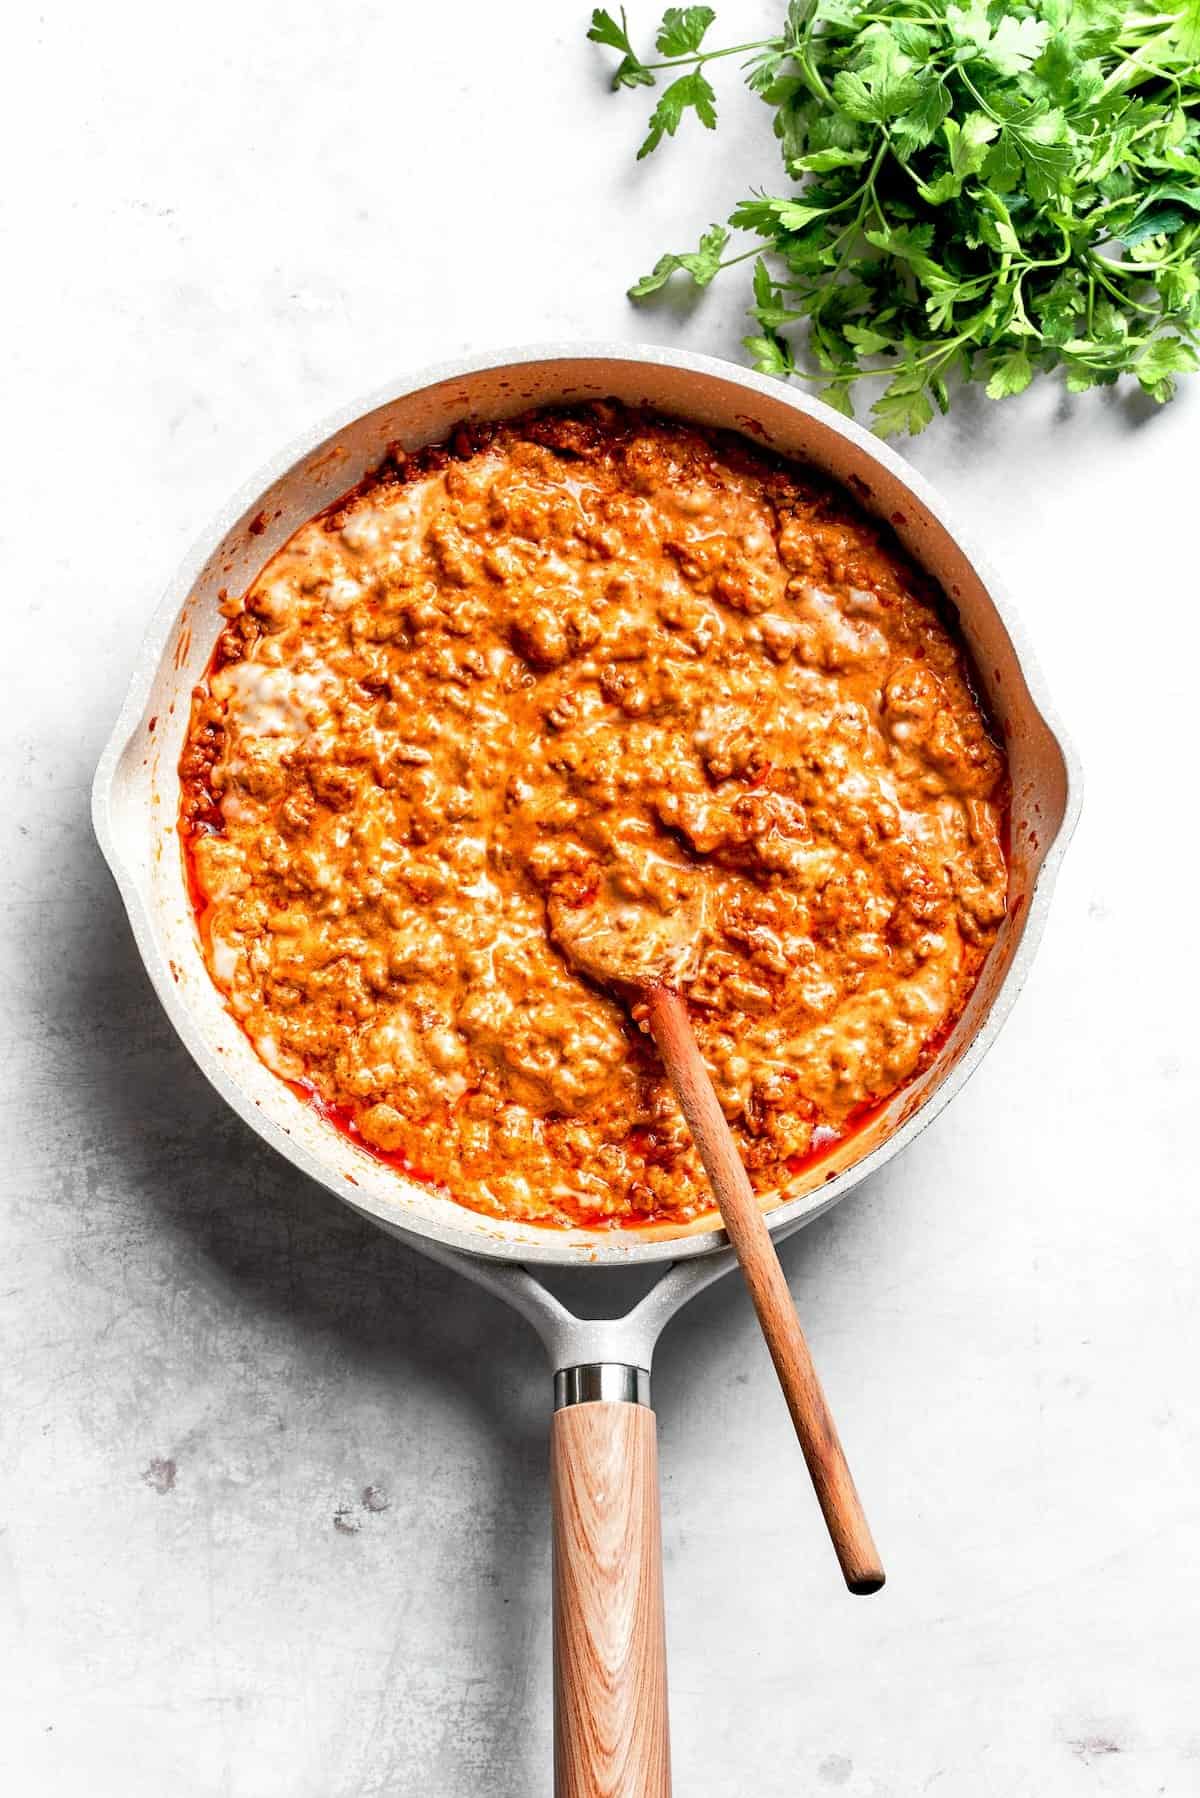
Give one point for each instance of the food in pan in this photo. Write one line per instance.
(591, 657)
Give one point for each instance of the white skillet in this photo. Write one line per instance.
(610, 1680)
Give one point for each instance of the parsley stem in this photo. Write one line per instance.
(732, 261)
(812, 80)
(702, 56)
(979, 99)
(1120, 75)
(1098, 265)
(1053, 261)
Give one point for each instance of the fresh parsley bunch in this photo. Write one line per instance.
(983, 190)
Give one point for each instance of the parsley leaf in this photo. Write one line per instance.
(605, 30)
(1184, 32)
(883, 84)
(1162, 358)
(683, 29)
(771, 355)
(1011, 373)
(904, 404)
(967, 145)
(1046, 154)
(630, 71)
(701, 264)
(692, 90)
(1009, 47)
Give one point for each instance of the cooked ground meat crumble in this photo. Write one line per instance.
(590, 650)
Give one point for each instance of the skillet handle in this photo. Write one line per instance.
(610, 1665)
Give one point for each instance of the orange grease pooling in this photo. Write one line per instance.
(825, 1141)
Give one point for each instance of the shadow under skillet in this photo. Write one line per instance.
(202, 1206)
(273, 1234)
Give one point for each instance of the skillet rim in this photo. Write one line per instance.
(599, 1249)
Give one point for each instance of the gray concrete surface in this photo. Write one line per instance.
(272, 1490)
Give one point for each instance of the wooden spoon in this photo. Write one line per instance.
(747, 1230)
(643, 950)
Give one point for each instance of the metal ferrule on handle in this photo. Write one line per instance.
(601, 1382)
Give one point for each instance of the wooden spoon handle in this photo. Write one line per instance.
(610, 1669)
(851, 1535)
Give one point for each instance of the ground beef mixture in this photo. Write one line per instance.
(584, 652)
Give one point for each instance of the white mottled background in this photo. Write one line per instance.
(273, 1491)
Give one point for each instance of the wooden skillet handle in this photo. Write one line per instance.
(610, 1667)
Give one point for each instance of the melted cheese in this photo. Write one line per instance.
(593, 662)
